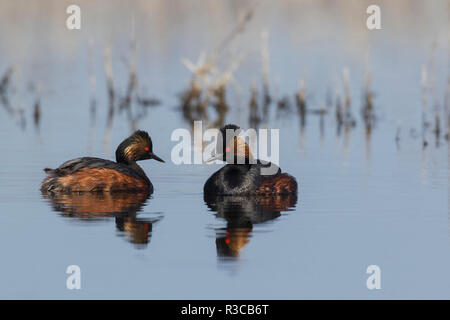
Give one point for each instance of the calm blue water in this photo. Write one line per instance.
(362, 201)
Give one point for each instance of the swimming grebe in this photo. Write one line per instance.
(246, 178)
(89, 174)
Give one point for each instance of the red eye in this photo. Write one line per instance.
(228, 149)
(146, 149)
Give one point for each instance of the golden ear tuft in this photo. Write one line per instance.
(241, 148)
(131, 152)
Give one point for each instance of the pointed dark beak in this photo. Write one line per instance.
(154, 156)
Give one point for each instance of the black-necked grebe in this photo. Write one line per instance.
(90, 174)
(245, 178)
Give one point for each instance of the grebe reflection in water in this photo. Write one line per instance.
(122, 206)
(241, 213)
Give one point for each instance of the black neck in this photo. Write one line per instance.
(241, 167)
(120, 158)
(120, 153)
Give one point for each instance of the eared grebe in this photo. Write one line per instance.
(245, 178)
(89, 174)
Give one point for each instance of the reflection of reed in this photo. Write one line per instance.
(14, 111)
(348, 120)
(122, 206)
(241, 213)
(37, 112)
(254, 119)
(92, 99)
(205, 96)
(429, 96)
(339, 114)
(37, 108)
(111, 95)
(423, 83)
(221, 106)
(208, 85)
(301, 103)
(125, 104)
(284, 107)
(130, 98)
(194, 108)
(265, 74)
(368, 112)
(5, 82)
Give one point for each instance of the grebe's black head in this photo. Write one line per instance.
(136, 147)
(229, 141)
